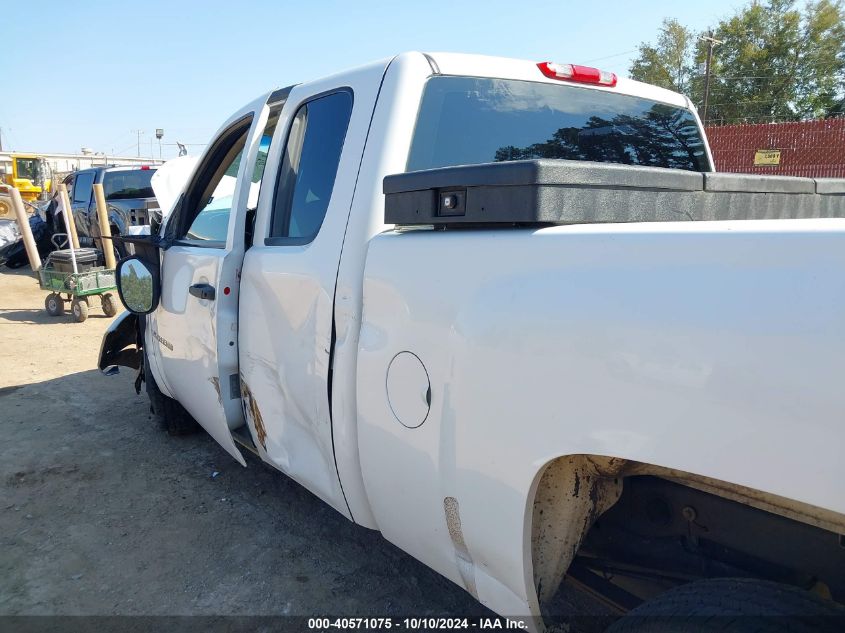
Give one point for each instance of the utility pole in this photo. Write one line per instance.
(1, 139)
(711, 43)
(139, 132)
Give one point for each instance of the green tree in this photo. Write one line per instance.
(822, 88)
(775, 62)
(668, 62)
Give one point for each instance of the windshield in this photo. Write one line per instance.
(27, 168)
(468, 120)
(129, 183)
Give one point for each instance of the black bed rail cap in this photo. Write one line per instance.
(550, 192)
(546, 172)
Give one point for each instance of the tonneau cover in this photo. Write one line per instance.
(540, 192)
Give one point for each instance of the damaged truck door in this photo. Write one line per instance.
(191, 337)
(287, 290)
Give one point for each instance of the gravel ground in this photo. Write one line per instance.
(104, 514)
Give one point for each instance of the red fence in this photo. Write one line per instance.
(806, 148)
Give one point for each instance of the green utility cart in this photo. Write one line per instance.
(58, 277)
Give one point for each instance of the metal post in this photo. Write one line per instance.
(70, 221)
(25, 229)
(105, 229)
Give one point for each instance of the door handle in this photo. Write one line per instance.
(203, 291)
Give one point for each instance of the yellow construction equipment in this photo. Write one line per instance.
(31, 176)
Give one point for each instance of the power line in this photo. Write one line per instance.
(118, 139)
(758, 102)
(598, 59)
(125, 149)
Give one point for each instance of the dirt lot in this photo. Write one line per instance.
(104, 514)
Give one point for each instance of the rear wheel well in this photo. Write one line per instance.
(628, 531)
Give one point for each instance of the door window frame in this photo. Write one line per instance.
(211, 163)
(276, 101)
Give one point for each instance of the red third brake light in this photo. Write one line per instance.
(581, 74)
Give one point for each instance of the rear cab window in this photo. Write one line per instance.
(472, 120)
(128, 184)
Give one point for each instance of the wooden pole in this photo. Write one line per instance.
(25, 229)
(708, 68)
(70, 221)
(105, 229)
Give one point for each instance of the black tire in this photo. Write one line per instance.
(171, 416)
(79, 309)
(733, 605)
(54, 304)
(109, 304)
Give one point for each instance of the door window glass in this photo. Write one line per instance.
(309, 167)
(258, 171)
(212, 194)
(82, 187)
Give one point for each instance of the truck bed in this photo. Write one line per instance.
(713, 348)
(608, 320)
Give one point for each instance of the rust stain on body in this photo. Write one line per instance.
(215, 381)
(252, 412)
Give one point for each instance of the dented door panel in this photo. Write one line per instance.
(287, 298)
(285, 377)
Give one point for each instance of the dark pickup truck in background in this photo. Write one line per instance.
(129, 196)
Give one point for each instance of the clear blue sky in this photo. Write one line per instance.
(94, 72)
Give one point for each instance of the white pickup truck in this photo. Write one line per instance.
(506, 314)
